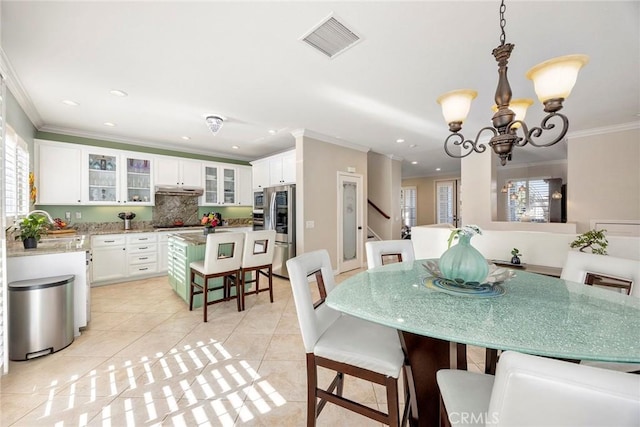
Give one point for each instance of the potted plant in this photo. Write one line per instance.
(515, 256)
(593, 239)
(32, 227)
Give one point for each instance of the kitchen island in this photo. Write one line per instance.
(55, 257)
(183, 249)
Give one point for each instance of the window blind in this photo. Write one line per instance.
(528, 197)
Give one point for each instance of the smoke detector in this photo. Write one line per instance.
(214, 123)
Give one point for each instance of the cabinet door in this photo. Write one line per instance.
(137, 180)
(167, 171)
(191, 173)
(260, 174)
(211, 185)
(59, 174)
(289, 167)
(245, 190)
(109, 263)
(102, 177)
(229, 190)
(275, 171)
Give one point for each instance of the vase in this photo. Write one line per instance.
(30, 243)
(515, 260)
(463, 262)
(208, 230)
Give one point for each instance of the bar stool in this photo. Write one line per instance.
(257, 256)
(222, 258)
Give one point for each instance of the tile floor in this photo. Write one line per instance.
(145, 360)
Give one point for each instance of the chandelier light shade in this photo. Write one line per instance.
(215, 123)
(553, 81)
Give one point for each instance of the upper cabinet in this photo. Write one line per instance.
(177, 171)
(227, 185)
(275, 170)
(245, 190)
(113, 177)
(59, 173)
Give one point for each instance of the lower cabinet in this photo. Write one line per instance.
(109, 258)
(117, 257)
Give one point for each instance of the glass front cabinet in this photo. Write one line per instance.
(117, 178)
(220, 185)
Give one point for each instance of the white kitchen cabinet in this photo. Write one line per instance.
(260, 173)
(59, 173)
(142, 254)
(176, 171)
(109, 257)
(245, 187)
(114, 177)
(221, 185)
(163, 251)
(282, 168)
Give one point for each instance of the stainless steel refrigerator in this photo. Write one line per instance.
(280, 215)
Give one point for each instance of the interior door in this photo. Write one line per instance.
(448, 202)
(350, 222)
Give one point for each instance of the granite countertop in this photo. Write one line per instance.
(171, 229)
(51, 245)
(198, 237)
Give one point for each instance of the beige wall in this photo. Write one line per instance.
(318, 164)
(426, 194)
(604, 178)
(603, 182)
(384, 180)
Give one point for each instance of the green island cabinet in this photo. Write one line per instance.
(183, 249)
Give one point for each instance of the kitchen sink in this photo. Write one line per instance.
(62, 242)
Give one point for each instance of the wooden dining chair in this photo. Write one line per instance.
(222, 259)
(380, 250)
(611, 273)
(257, 258)
(342, 343)
(534, 391)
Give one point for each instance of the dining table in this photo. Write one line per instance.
(532, 313)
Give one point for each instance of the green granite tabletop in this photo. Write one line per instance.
(537, 314)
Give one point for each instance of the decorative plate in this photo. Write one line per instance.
(490, 289)
(465, 289)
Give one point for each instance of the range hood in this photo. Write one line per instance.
(175, 190)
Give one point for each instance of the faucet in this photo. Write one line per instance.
(43, 213)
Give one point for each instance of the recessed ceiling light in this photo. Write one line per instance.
(70, 103)
(117, 92)
(235, 147)
(109, 124)
(273, 131)
(414, 163)
(413, 146)
(186, 138)
(438, 169)
(399, 141)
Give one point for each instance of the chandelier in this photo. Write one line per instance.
(552, 80)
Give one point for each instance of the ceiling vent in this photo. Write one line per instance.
(331, 37)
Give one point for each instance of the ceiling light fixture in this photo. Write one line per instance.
(414, 163)
(109, 124)
(235, 147)
(272, 131)
(70, 103)
(214, 123)
(552, 80)
(399, 141)
(186, 138)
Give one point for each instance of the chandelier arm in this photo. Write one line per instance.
(546, 125)
(458, 139)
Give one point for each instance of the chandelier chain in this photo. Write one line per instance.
(503, 23)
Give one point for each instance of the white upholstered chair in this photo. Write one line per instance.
(341, 343)
(579, 267)
(257, 258)
(534, 391)
(377, 250)
(222, 258)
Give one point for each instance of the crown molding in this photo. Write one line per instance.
(329, 139)
(604, 130)
(18, 91)
(141, 143)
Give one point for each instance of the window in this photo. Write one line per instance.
(16, 174)
(408, 206)
(528, 198)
